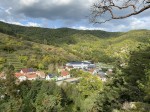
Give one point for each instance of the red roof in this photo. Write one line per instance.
(33, 75)
(2, 74)
(64, 73)
(19, 74)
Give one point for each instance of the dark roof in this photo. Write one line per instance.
(91, 66)
(51, 75)
(101, 74)
(78, 62)
(26, 70)
(19, 74)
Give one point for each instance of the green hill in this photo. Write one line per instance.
(50, 36)
(39, 47)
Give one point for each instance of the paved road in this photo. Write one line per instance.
(70, 80)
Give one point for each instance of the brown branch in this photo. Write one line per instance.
(109, 5)
(134, 13)
(124, 7)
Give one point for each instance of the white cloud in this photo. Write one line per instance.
(16, 23)
(141, 23)
(88, 28)
(8, 10)
(32, 24)
(60, 2)
(28, 2)
(12, 22)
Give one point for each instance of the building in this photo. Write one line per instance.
(40, 74)
(51, 77)
(65, 74)
(27, 70)
(31, 76)
(20, 77)
(2, 75)
(102, 76)
(80, 65)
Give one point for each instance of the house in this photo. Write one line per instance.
(61, 68)
(65, 74)
(27, 70)
(68, 68)
(93, 71)
(2, 75)
(31, 76)
(51, 77)
(40, 74)
(109, 71)
(91, 66)
(20, 76)
(102, 76)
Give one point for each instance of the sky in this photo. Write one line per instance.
(64, 13)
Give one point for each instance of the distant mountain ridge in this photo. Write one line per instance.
(52, 36)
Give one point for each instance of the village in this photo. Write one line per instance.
(64, 72)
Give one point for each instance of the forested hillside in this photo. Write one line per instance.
(24, 53)
(56, 37)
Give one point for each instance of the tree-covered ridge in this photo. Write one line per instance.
(50, 36)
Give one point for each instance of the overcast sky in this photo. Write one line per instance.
(64, 13)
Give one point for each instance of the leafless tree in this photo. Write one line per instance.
(106, 10)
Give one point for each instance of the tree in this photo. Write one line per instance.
(10, 82)
(137, 74)
(115, 9)
(48, 103)
(48, 98)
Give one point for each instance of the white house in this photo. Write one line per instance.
(2, 75)
(40, 74)
(51, 77)
(22, 78)
(80, 65)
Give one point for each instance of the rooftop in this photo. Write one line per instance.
(26, 70)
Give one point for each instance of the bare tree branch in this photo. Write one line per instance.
(110, 9)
